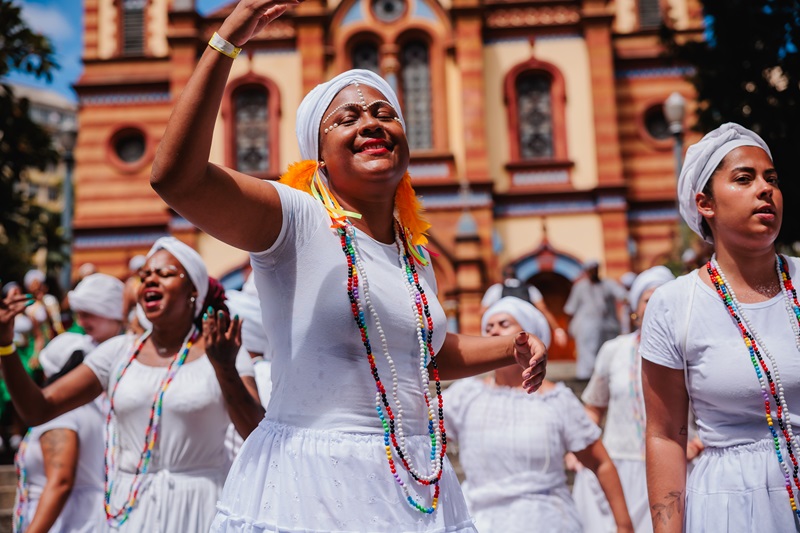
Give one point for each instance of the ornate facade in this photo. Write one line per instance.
(537, 133)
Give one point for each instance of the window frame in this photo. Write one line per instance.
(121, 30)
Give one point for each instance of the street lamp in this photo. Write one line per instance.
(67, 140)
(674, 111)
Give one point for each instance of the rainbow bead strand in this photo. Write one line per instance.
(22, 484)
(391, 419)
(770, 386)
(120, 516)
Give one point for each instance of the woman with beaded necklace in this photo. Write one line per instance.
(353, 438)
(724, 340)
(173, 392)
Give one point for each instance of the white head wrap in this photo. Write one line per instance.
(590, 264)
(98, 294)
(136, 262)
(702, 159)
(55, 355)
(527, 316)
(627, 279)
(649, 279)
(313, 106)
(192, 263)
(31, 276)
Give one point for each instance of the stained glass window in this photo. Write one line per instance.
(535, 115)
(133, 26)
(251, 129)
(416, 90)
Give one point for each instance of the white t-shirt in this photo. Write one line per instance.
(723, 386)
(321, 378)
(194, 419)
(495, 292)
(616, 384)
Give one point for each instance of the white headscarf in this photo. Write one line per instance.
(700, 163)
(55, 355)
(31, 276)
(192, 263)
(98, 294)
(527, 316)
(649, 279)
(313, 106)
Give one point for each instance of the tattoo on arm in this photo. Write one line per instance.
(684, 430)
(53, 445)
(663, 512)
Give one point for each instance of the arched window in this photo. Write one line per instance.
(534, 111)
(365, 55)
(251, 129)
(649, 13)
(133, 27)
(416, 90)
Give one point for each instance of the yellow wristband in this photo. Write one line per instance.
(7, 350)
(223, 47)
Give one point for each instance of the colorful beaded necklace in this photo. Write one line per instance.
(769, 380)
(392, 419)
(22, 483)
(117, 518)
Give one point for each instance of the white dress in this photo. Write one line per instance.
(616, 385)
(190, 462)
(318, 460)
(83, 510)
(737, 483)
(511, 447)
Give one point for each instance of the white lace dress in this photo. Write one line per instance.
(511, 447)
(190, 461)
(317, 463)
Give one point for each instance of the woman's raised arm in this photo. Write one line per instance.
(236, 208)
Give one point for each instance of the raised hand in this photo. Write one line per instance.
(10, 306)
(222, 337)
(249, 17)
(531, 354)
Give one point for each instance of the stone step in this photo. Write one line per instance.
(7, 495)
(8, 476)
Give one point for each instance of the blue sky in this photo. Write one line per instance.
(62, 22)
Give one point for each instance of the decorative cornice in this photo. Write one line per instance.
(533, 16)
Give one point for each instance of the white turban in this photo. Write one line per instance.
(55, 355)
(136, 262)
(527, 316)
(313, 106)
(649, 279)
(31, 276)
(192, 263)
(98, 294)
(702, 159)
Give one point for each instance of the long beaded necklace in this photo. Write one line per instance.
(118, 517)
(635, 389)
(22, 483)
(769, 386)
(391, 420)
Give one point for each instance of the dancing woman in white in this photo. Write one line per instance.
(353, 439)
(171, 400)
(725, 338)
(512, 445)
(615, 393)
(60, 463)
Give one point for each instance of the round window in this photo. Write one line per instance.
(129, 146)
(656, 123)
(388, 10)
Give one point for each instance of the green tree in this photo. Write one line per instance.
(24, 227)
(747, 70)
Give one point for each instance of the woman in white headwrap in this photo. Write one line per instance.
(724, 340)
(60, 463)
(615, 394)
(512, 445)
(172, 393)
(353, 438)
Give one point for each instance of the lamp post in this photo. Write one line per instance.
(67, 140)
(674, 112)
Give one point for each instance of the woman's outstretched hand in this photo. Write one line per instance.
(10, 306)
(249, 17)
(531, 354)
(222, 337)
